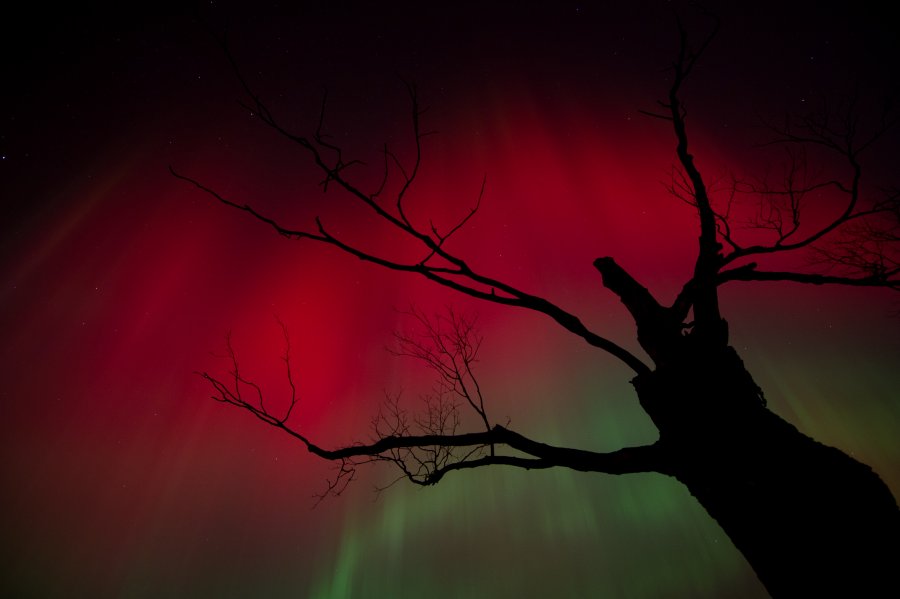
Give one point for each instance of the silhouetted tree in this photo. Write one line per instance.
(810, 520)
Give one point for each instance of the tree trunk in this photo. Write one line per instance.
(811, 521)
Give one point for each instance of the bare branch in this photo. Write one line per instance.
(448, 344)
(284, 232)
(691, 184)
(629, 460)
(453, 272)
(417, 136)
(749, 272)
(838, 132)
(427, 446)
(655, 115)
(288, 370)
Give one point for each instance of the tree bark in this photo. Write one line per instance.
(810, 520)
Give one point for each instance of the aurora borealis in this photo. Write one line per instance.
(121, 478)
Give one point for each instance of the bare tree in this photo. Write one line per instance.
(809, 519)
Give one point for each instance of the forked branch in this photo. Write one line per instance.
(427, 446)
(689, 184)
(437, 263)
(858, 245)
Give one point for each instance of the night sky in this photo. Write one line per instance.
(122, 478)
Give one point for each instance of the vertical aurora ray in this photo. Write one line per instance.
(509, 536)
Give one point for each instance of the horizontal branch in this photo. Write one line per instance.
(628, 460)
(623, 461)
(748, 272)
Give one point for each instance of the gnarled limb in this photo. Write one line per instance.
(427, 446)
(436, 263)
(657, 326)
